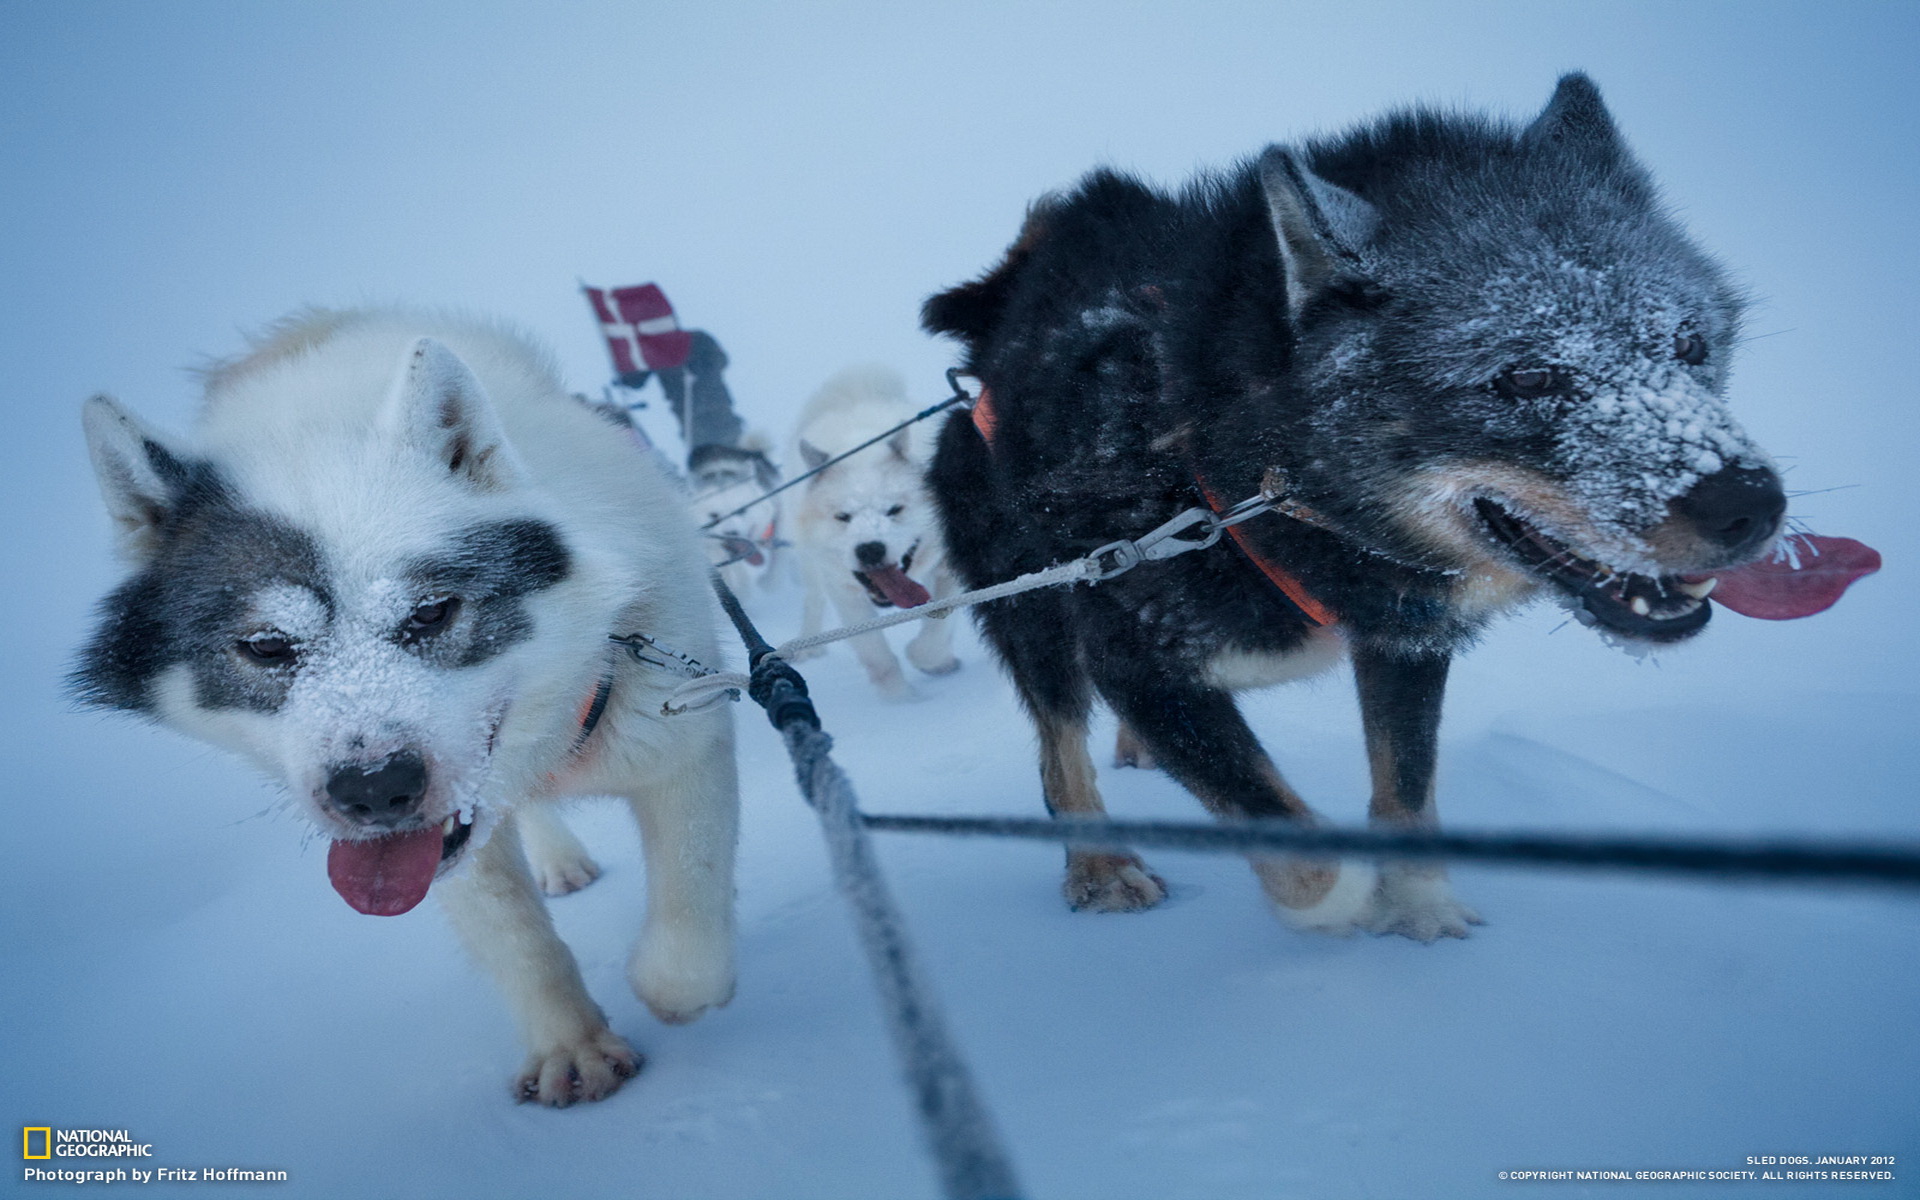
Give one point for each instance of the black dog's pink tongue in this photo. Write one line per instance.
(1808, 579)
(895, 586)
(386, 876)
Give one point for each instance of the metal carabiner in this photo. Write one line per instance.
(1164, 541)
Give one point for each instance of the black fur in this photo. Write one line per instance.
(491, 569)
(186, 606)
(1336, 320)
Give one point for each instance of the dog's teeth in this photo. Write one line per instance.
(1703, 589)
(1640, 606)
(446, 826)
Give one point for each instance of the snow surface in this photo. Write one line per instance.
(798, 178)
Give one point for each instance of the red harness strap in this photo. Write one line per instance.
(1276, 574)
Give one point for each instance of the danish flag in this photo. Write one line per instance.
(641, 330)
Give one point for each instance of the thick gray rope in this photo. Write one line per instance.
(960, 1133)
(958, 1128)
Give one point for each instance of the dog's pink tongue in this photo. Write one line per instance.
(895, 586)
(386, 876)
(1808, 580)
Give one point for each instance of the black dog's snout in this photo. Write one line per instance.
(383, 796)
(1737, 507)
(871, 554)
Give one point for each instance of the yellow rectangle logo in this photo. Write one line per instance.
(46, 1142)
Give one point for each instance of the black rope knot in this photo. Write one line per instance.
(775, 686)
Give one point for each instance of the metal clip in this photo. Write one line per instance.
(1117, 558)
(656, 654)
(954, 376)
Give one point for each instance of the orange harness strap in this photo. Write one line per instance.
(1276, 574)
(984, 418)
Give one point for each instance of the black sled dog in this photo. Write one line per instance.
(1476, 363)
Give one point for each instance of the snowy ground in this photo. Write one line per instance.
(799, 177)
(200, 984)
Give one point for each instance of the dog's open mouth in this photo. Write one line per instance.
(1664, 608)
(889, 586)
(386, 876)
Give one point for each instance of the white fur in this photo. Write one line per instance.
(382, 434)
(881, 494)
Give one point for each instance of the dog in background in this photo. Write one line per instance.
(864, 532)
(385, 570)
(1473, 362)
(741, 545)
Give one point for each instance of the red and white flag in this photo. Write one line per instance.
(640, 327)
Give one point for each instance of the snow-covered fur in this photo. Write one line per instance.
(1473, 362)
(864, 531)
(385, 569)
(743, 545)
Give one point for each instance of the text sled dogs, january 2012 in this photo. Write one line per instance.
(1477, 362)
(385, 570)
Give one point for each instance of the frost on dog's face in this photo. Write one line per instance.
(1518, 363)
(362, 651)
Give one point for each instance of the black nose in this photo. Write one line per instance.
(871, 554)
(1737, 507)
(382, 796)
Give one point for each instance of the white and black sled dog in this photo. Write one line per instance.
(386, 569)
(725, 479)
(864, 530)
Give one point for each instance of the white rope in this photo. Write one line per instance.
(698, 693)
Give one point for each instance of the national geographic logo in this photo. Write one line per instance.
(80, 1143)
(40, 1143)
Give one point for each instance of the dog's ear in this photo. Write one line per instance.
(140, 477)
(1320, 227)
(438, 409)
(764, 472)
(901, 444)
(1576, 118)
(812, 455)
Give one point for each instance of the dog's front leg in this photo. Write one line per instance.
(499, 915)
(1400, 698)
(689, 822)
(871, 648)
(931, 649)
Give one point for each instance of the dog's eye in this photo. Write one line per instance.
(896, 510)
(273, 649)
(843, 516)
(1524, 383)
(429, 616)
(1690, 348)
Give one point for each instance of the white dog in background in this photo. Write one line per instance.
(741, 545)
(864, 531)
(386, 571)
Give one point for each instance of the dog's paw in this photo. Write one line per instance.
(559, 874)
(1319, 897)
(1111, 883)
(1418, 904)
(592, 1068)
(680, 975)
(934, 660)
(898, 691)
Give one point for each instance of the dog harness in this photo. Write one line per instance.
(1288, 583)
(593, 708)
(987, 422)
